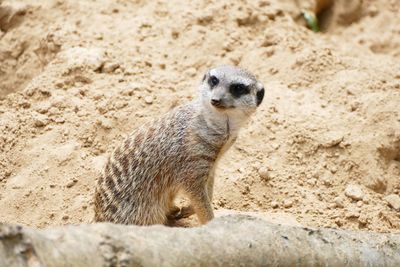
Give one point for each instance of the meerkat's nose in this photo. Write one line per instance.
(216, 102)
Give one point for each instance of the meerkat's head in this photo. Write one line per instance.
(230, 89)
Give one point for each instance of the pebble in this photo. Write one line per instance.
(40, 121)
(354, 192)
(71, 183)
(149, 99)
(333, 139)
(338, 202)
(43, 108)
(393, 201)
(120, 104)
(274, 204)
(110, 67)
(264, 175)
(287, 203)
(334, 169)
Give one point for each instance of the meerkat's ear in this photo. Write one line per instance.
(260, 93)
(205, 75)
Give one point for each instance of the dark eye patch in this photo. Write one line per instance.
(213, 81)
(238, 89)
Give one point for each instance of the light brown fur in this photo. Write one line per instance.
(175, 153)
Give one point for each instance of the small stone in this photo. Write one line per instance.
(352, 214)
(40, 121)
(120, 104)
(334, 169)
(43, 108)
(148, 99)
(393, 201)
(274, 204)
(110, 67)
(338, 202)
(71, 183)
(59, 120)
(333, 139)
(264, 175)
(359, 203)
(79, 57)
(287, 203)
(354, 192)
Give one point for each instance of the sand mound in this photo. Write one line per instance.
(323, 148)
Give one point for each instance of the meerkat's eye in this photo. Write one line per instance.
(238, 89)
(213, 81)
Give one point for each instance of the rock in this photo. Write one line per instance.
(79, 57)
(287, 203)
(274, 204)
(148, 99)
(264, 175)
(120, 104)
(110, 67)
(332, 139)
(393, 200)
(40, 120)
(338, 202)
(354, 192)
(71, 183)
(43, 107)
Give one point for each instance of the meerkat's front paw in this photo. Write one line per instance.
(179, 213)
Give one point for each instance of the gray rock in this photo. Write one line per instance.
(393, 200)
(354, 192)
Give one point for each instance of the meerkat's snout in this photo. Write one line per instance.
(216, 102)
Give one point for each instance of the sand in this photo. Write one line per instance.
(323, 149)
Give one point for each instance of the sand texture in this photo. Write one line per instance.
(323, 149)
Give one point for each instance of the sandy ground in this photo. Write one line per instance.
(323, 149)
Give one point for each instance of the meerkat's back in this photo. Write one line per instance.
(138, 183)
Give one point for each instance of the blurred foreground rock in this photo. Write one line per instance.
(234, 240)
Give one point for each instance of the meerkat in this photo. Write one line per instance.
(177, 153)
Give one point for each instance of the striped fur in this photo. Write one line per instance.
(175, 153)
